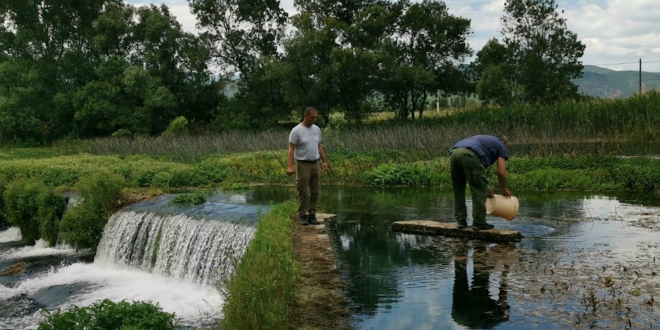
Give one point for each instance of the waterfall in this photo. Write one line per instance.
(175, 246)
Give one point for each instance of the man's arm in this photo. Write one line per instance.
(501, 175)
(323, 159)
(290, 170)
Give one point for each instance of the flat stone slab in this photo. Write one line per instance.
(434, 228)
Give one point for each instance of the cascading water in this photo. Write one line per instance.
(174, 246)
(173, 256)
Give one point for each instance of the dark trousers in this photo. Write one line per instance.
(466, 168)
(308, 183)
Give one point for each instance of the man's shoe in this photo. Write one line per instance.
(462, 225)
(304, 220)
(311, 218)
(482, 226)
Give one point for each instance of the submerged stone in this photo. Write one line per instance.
(434, 228)
(15, 269)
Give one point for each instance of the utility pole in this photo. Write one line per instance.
(640, 76)
(437, 102)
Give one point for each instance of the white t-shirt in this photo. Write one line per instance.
(306, 140)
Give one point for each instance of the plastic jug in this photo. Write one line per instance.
(503, 207)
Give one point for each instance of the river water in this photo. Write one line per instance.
(586, 261)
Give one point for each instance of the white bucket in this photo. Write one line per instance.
(503, 207)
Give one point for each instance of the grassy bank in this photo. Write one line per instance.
(379, 168)
(261, 292)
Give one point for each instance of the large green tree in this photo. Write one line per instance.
(91, 68)
(545, 54)
(421, 55)
(244, 36)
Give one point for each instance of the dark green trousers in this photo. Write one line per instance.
(308, 184)
(466, 168)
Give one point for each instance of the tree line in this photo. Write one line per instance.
(82, 69)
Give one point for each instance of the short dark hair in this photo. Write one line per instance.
(309, 110)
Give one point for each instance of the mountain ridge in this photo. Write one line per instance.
(607, 83)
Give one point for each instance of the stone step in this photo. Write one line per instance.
(434, 228)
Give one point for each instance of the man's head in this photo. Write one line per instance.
(503, 138)
(309, 116)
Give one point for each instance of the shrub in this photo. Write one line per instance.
(21, 208)
(4, 224)
(83, 225)
(178, 126)
(51, 209)
(35, 209)
(109, 315)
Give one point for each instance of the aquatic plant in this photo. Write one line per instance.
(109, 315)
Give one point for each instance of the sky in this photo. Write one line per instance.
(617, 33)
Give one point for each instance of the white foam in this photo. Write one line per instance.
(12, 234)
(40, 248)
(192, 303)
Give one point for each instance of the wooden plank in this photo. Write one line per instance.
(434, 228)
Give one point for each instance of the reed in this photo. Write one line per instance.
(572, 128)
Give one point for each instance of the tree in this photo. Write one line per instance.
(544, 52)
(421, 55)
(244, 36)
(493, 71)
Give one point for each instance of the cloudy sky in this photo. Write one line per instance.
(617, 33)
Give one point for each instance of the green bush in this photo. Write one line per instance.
(21, 208)
(108, 315)
(4, 224)
(51, 209)
(35, 209)
(83, 225)
(178, 126)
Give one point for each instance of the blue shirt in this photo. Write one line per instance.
(488, 147)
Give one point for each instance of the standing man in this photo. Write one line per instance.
(468, 160)
(305, 146)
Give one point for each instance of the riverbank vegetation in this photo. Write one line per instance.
(261, 293)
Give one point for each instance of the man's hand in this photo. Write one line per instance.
(326, 166)
(290, 170)
(490, 193)
(506, 193)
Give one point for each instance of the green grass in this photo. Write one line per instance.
(259, 299)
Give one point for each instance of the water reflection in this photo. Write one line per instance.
(401, 281)
(472, 304)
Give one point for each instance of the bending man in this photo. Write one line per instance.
(305, 146)
(468, 160)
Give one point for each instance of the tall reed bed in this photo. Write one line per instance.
(636, 117)
(571, 128)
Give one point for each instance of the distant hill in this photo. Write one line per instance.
(606, 83)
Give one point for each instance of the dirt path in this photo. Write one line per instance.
(320, 304)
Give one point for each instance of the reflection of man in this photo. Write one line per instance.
(305, 147)
(474, 307)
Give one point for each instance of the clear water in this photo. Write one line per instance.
(571, 242)
(574, 244)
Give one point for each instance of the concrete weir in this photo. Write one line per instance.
(434, 228)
